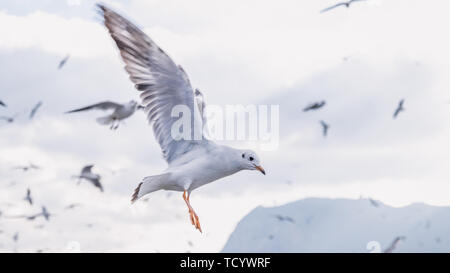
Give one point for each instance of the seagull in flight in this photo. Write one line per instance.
(8, 119)
(35, 109)
(120, 112)
(193, 160)
(346, 4)
(314, 106)
(44, 213)
(2, 103)
(399, 108)
(28, 197)
(63, 61)
(325, 128)
(72, 206)
(28, 167)
(394, 244)
(374, 203)
(282, 218)
(87, 174)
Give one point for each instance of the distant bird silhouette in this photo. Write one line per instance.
(325, 128)
(86, 173)
(314, 106)
(72, 206)
(63, 61)
(120, 112)
(8, 119)
(394, 244)
(345, 4)
(399, 108)
(26, 168)
(35, 109)
(16, 237)
(374, 203)
(28, 197)
(2, 103)
(44, 213)
(282, 218)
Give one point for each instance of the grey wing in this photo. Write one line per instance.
(332, 7)
(97, 184)
(106, 105)
(164, 85)
(2, 103)
(35, 108)
(63, 61)
(87, 169)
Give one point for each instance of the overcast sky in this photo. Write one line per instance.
(361, 60)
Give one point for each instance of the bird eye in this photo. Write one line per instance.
(251, 158)
(243, 155)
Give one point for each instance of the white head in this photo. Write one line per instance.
(250, 161)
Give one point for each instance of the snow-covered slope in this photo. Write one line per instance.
(342, 225)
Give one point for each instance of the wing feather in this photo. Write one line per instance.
(163, 83)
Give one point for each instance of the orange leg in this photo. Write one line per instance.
(194, 218)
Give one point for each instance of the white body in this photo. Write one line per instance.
(201, 166)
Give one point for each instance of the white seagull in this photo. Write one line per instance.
(120, 112)
(192, 162)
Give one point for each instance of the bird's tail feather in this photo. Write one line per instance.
(149, 184)
(105, 120)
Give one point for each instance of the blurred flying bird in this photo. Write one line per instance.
(87, 174)
(8, 119)
(282, 218)
(399, 108)
(28, 167)
(63, 61)
(314, 106)
(72, 206)
(394, 244)
(374, 203)
(325, 127)
(346, 4)
(193, 160)
(120, 112)
(44, 213)
(16, 237)
(2, 103)
(35, 109)
(28, 197)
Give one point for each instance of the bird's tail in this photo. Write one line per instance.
(105, 120)
(150, 184)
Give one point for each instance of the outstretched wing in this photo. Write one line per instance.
(87, 169)
(106, 105)
(164, 85)
(333, 7)
(35, 109)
